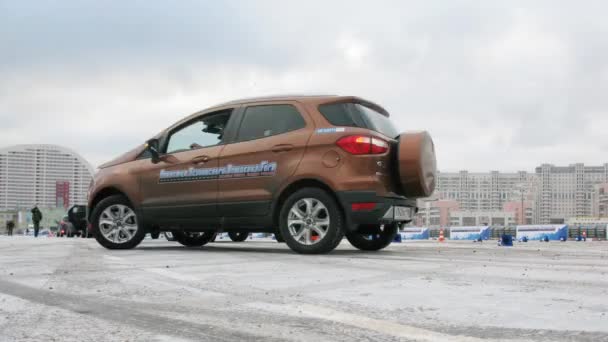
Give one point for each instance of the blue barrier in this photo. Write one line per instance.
(506, 240)
(415, 233)
(543, 232)
(470, 233)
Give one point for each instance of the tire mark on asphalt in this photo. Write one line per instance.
(382, 326)
(120, 314)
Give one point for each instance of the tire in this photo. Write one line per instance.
(303, 206)
(127, 234)
(193, 239)
(373, 242)
(238, 236)
(278, 237)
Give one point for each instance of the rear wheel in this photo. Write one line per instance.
(311, 221)
(114, 224)
(238, 236)
(193, 239)
(374, 241)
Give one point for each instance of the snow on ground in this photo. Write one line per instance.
(74, 290)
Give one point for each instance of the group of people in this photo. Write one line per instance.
(36, 218)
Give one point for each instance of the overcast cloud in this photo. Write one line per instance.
(500, 85)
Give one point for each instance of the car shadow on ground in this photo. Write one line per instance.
(279, 249)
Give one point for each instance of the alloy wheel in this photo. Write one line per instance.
(308, 221)
(118, 223)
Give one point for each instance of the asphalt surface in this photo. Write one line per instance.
(59, 289)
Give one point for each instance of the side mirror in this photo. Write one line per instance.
(152, 147)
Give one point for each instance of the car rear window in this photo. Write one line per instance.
(358, 115)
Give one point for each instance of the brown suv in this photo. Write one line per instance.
(311, 169)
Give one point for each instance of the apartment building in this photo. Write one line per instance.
(485, 191)
(567, 191)
(47, 175)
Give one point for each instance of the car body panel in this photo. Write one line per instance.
(168, 201)
(252, 196)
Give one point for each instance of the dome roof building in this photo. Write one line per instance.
(47, 175)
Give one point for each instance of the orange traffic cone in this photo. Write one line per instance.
(441, 237)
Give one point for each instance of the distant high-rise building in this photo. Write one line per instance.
(485, 191)
(46, 175)
(567, 191)
(550, 194)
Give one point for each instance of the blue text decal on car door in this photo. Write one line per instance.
(263, 168)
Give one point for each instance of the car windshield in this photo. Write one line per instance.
(358, 115)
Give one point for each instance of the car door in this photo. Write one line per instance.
(267, 149)
(182, 188)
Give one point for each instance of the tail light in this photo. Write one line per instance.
(363, 144)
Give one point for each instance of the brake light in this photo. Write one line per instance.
(362, 144)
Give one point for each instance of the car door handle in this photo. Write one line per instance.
(282, 148)
(200, 159)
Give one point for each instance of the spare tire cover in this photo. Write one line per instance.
(416, 164)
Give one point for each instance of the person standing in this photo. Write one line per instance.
(10, 225)
(36, 218)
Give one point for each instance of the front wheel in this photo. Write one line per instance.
(193, 239)
(114, 224)
(311, 221)
(374, 241)
(238, 236)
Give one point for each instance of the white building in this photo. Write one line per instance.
(47, 175)
(567, 191)
(484, 191)
(555, 193)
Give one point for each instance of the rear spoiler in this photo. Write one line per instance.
(355, 99)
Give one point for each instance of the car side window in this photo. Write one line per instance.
(268, 120)
(202, 132)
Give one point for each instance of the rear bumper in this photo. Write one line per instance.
(381, 212)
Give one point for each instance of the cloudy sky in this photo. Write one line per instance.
(500, 85)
